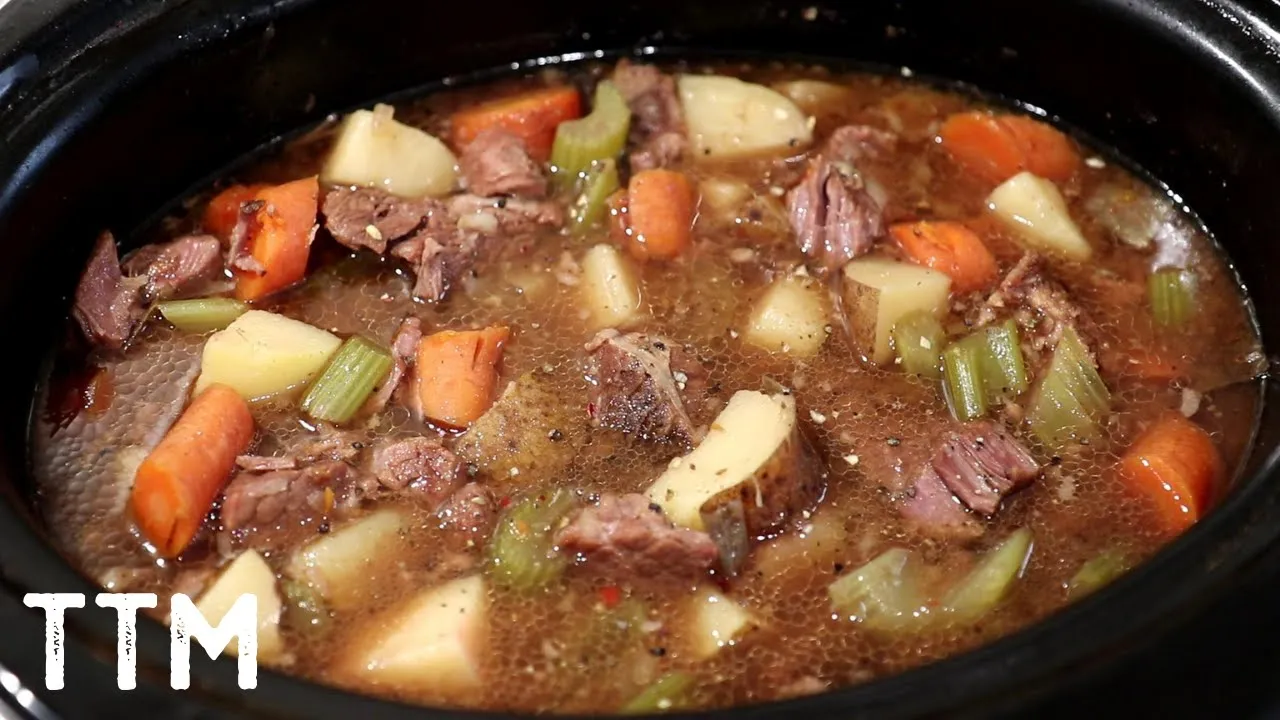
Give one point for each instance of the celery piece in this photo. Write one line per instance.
(963, 384)
(202, 314)
(1070, 400)
(345, 383)
(1172, 295)
(1004, 370)
(522, 553)
(1095, 573)
(986, 585)
(918, 340)
(666, 693)
(304, 609)
(597, 183)
(882, 594)
(601, 135)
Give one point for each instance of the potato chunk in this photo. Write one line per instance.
(263, 354)
(529, 430)
(751, 472)
(247, 574)
(434, 641)
(876, 292)
(1034, 209)
(717, 622)
(727, 117)
(609, 288)
(342, 565)
(790, 317)
(374, 150)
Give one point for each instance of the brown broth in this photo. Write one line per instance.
(535, 659)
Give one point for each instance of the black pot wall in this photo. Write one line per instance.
(109, 110)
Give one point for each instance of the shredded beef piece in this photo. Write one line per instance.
(1040, 305)
(330, 443)
(266, 463)
(184, 266)
(371, 218)
(834, 217)
(637, 382)
(420, 464)
(469, 515)
(852, 143)
(933, 509)
(982, 463)
(404, 348)
(630, 538)
(263, 501)
(108, 306)
(238, 256)
(510, 216)
(497, 163)
(658, 128)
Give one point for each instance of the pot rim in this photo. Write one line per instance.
(1130, 614)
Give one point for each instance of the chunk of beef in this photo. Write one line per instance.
(931, 507)
(658, 128)
(1039, 304)
(404, 348)
(468, 516)
(371, 218)
(834, 218)
(238, 255)
(277, 499)
(628, 537)
(636, 384)
(266, 463)
(328, 443)
(185, 266)
(853, 143)
(981, 463)
(422, 465)
(497, 163)
(508, 216)
(108, 306)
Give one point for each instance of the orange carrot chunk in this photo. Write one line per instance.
(457, 374)
(1175, 464)
(997, 147)
(279, 238)
(531, 116)
(659, 213)
(223, 211)
(951, 248)
(177, 483)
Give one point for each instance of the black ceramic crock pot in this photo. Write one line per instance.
(111, 109)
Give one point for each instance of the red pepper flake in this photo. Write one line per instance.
(610, 595)
(591, 409)
(505, 501)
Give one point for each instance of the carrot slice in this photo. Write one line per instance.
(1175, 464)
(223, 211)
(659, 214)
(997, 147)
(177, 483)
(279, 238)
(457, 374)
(951, 248)
(531, 116)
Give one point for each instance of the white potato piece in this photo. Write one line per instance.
(263, 354)
(1034, 209)
(717, 622)
(434, 641)
(821, 541)
(789, 318)
(727, 117)
(609, 288)
(374, 150)
(248, 574)
(877, 292)
(813, 95)
(753, 457)
(342, 565)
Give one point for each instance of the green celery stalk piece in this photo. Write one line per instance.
(1096, 573)
(1005, 370)
(666, 693)
(988, 583)
(347, 381)
(1071, 398)
(522, 554)
(597, 184)
(601, 135)
(882, 594)
(963, 381)
(202, 314)
(1172, 295)
(918, 339)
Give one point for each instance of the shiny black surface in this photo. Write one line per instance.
(111, 109)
